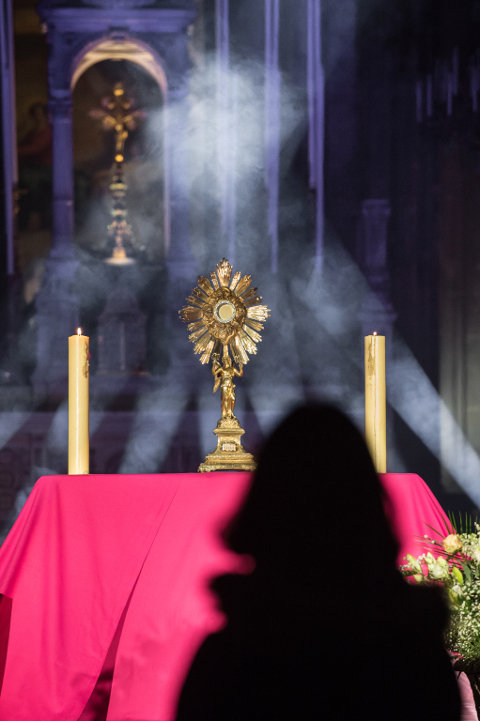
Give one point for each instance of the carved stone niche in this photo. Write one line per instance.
(154, 35)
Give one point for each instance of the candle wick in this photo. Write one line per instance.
(79, 331)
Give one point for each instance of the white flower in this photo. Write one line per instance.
(452, 544)
(437, 568)
(413, 563)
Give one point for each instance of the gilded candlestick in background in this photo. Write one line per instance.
(375, 400)
(224, 318)
(118, 114)
(78, 402)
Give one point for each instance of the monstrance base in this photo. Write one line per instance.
(114, 260)
(229, 454)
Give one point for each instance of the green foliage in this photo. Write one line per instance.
(452, 561)
(462, 523)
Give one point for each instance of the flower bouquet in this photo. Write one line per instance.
(452, 560)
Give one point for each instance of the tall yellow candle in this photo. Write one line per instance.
(78, 398)
(375, 400)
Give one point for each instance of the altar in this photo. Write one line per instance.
(104, 583)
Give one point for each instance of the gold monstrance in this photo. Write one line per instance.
(224, 318)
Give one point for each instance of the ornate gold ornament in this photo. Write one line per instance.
(225, 317)
(118, 114)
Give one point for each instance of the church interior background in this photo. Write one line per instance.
(329, 148)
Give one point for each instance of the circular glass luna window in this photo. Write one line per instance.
(224, 311)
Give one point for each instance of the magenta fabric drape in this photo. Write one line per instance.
(413, 508)
(90, 556)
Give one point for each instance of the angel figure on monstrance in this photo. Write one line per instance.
(224, 374)
(225, 317)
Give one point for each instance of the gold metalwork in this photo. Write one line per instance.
(225, 317)
(118, 115)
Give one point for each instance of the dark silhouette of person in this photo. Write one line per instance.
(324, 627)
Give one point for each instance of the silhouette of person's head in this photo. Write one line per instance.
(315, 494)
(324, 627)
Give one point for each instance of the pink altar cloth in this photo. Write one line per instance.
(91, 559)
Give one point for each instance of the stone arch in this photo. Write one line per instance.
(154, 37)
(134, 50)
(128, 48)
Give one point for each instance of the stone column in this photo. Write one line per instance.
(9, 143)
(227, 130)
(373, 243)
(377, 312)
(272, 124)
(179, 254)
(316, 120)
(181, 265)
(60, 107)
(56, 304)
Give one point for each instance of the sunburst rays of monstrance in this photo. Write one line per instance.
(225, 317)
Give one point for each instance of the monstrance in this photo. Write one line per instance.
(225, 317)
